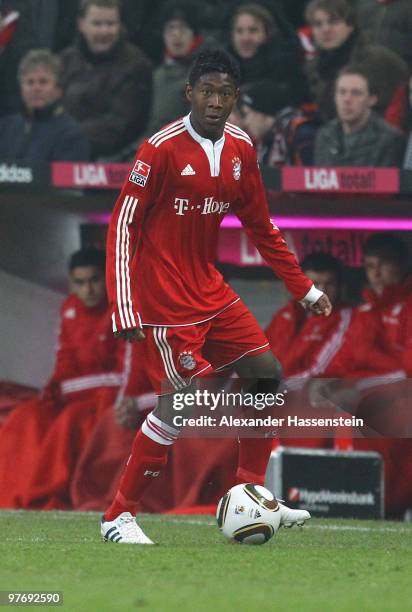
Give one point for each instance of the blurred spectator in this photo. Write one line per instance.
(266, 47)
(283, 134)
(17, 37)
(340, 42)
(107, 82)
(88, 371)
(144, 22)
(358, 137)
(389, 23)
(407, 125)
(44, 131)
(181, 39)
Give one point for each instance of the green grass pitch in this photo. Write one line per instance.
(329, 565)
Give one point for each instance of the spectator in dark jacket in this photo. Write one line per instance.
(107, 82)
(283, 135)
(44, 131)
(389, 23)
(339, 42)
(267, 49)
(358, 137)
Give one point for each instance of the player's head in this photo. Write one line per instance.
(326, 272)
(39, 75)
(87, 276)
(212, 91)
(385, 259)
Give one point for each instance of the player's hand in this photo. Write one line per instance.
(130, 335)
(322, 306)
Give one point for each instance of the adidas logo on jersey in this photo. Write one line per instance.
(188, 171)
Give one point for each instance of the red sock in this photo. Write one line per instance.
(254, 456)
(148, 456)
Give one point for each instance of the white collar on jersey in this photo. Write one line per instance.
(212, 150)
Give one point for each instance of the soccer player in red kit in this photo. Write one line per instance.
(165, 289)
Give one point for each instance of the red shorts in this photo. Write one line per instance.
(175, 355)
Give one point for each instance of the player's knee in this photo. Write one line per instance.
(271, 371)
(266, 379)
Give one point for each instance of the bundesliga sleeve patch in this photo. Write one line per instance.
(140, 173)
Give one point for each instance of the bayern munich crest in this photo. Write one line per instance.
(237, 168)
(187, 361)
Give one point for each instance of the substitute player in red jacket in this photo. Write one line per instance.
(307, 344)
(377, 352)
(162, 279)
(86, 370)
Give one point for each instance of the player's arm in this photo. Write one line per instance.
(252, 210)
(138, 194)
(65, 364)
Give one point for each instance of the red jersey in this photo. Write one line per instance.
(162, 239)
(377, 339)
(312, 341)
(284, 327)
(88, 357)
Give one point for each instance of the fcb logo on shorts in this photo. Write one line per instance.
(140, 173)
(187, 361)
(237, 168)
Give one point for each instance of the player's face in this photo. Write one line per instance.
(39, 88)
(88, 283)
(381, 273)
(326, 282)
(353, 99)
(329, 32)
(101, 28)
(212, 99)
(248, 34)
(178, 37)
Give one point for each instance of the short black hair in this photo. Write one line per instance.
(89, 256)
(214, 60)
(388, 247)
(323, 262)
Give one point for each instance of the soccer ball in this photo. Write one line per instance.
(248, 513)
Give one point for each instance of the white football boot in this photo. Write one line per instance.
(123, 530)
(290, 517)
